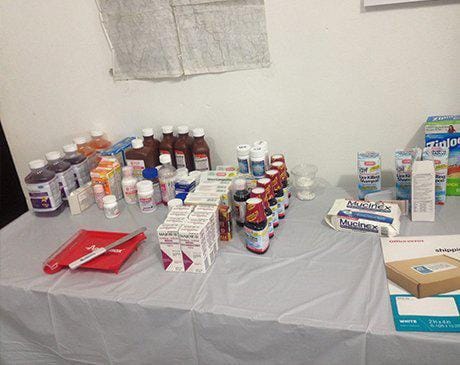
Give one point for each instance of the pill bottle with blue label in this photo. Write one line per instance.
(257, 156)
(244, 161)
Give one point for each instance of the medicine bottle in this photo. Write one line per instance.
(239, 201)
(167, 177)
(256, 227)
(79, 164)
(183, 148)
(111, 209)
(86, 150)
(264, 146)
(128, 184)
(200, 149)
(261, 194)
(98, 142)
(99, 193)
(266, 183)
(145, 196)
(43, 187)
(167, 143)
(151, 174)
(139, 157)
(244, 161)
(274, 176)
(64, 173)
(281, 167)
(153, 143)
(257, 156)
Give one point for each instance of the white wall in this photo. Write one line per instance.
(341, 80)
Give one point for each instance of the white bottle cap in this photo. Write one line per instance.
(198, 132)
(175, 203)
(96, 133)
(264, 180)
(167, 129)
(137, 143)
(70, 148)
(257, 152)
(243, 150)
(127, 171)
(254, 201)
(182, 129)
(98, 188)
(147, 132)
(258, 190)
(144, 187)
(165, 158)
(109, 199)
(239, 184)
(37, 164)
(262, 144)
(53, 155)
(80, 140)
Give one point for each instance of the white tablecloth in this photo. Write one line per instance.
(317, 296)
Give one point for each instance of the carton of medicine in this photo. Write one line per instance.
(168, 237)
(444, 131)
(118, 150)
(426, 276)
(193, 247)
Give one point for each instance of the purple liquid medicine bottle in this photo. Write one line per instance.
(79, 164)
(64, 173)
(43, 187)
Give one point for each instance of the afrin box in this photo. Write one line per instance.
(444, 131)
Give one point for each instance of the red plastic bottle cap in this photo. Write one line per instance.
(255, 210)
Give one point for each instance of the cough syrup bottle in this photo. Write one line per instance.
(239, 201)
(260, 193)
(86, 150)
(153, 143)
(98, 142)
(64, 173)
(183, 149)
(167, 143)
(266, 183)
(79, 164)
(43, 187)
(200, 149)
(256, 227)
(281, 167)
(274, 176)
(139, 157)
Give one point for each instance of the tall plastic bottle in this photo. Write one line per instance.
(167, 143)
(183, 148)
(79, 164)
(153, 143)
(64, 173)
(239, 201)
(98, 142)
(167, 177)
(43, 187)
(85, 149)
(128, 184)
(200, 149)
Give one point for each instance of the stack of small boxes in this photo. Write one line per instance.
(108, 174)
(189, 238)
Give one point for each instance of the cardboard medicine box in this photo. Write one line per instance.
(168, 237)
(426, 276)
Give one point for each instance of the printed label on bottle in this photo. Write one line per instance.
(147, 204)
(157, 194)
(45, 197)
(240, 211)
(138, 166)
(130, 194)
(257, 241)
(286, 197)
(180, 159)
(281, 209)
(66, 181)
(167, 190)
(112, 212)
(81, 173)
(258, 168)
(271, 228)
(276, 219)
(243, 165)
(201, 162)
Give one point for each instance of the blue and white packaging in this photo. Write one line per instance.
(118, 150)
(369, 173)
(440, 157)
(364, 216)
(439, 313)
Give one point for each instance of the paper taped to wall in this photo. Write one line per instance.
(171, 38)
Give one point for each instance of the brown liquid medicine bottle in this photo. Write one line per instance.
(153, 143)
(167, 143)
(200, 149)
(183, 149)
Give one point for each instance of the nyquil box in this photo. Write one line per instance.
(364, 216)
(444, 131)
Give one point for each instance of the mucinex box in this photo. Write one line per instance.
(444, 131)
